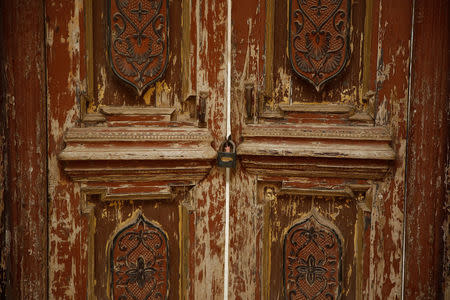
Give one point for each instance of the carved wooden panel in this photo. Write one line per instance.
(319, 38)
(139, 40)
(329, 44)
(140, 262)
(312, 261)
(314, 236)
(136, 248)
(134, 53)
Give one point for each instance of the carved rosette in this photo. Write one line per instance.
(312, 261)
(140, 262)
(319, 38)
(139, 40)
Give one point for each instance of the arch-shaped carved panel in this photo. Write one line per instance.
(138, 40)
(319, 38)
(312, 262)
(139, 258)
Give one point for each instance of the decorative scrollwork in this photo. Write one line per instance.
(312, 261)
(139, 262)
(138, 40)
(319, 38)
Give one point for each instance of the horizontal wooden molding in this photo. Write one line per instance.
(315, 151)
(137, 134)
(129, 191)
(136, 111)
(178, 155)
(306, 131)
(317, 108)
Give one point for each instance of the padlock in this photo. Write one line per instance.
(226, 156)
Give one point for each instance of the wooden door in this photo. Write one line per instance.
(136, 128)
(113, 112)
(325, 104)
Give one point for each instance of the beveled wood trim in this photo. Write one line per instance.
(356, 133)
(128, 192)
(186, 85)
(87, 97)
(137, 111)
(268, 67)
(87, 208)
(135, 134)
(186, 212)
(316, 108)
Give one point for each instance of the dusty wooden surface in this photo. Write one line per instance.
(367, 204)
(23, 95)
(427, 151)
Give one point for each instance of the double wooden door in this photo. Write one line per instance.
(331, 103)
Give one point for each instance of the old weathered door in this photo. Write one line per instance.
(337, 112)
(330, 107)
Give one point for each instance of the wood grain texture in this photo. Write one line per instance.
(208, 198)
(385, 51)
(383, 279)
(23, 97)
(427, 151)
(68, 227)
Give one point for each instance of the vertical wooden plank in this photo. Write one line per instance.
(246, 224)
(4, 245)
(427, 150)
(209, 195)
(68, 230)
(23, 94)
(392, 31)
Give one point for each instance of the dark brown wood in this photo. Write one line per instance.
(138, 43)
(112, 217)
(319, 39)
(23, 96)
(109, 89)
(312, 257)
(427, 150)
(344, 88)
(4, 253)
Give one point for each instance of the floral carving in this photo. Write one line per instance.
(138, 40)
(319, 38)
(312, 261)
(139, 262)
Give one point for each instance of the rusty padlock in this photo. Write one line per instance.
(226, 156)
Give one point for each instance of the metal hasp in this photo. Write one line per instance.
(138, 40)
(319, 33)
(226, 156)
